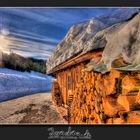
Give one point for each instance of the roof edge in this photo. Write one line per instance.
(76, 60)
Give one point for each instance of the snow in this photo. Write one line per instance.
(81, 37)
(123, 42)
(15, 84)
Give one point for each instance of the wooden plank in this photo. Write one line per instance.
(66, 88)
(62, 77)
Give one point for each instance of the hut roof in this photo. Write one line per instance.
(91, 35)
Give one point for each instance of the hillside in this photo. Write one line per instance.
(20, 63)
(14, 84)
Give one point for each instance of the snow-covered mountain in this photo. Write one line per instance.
(82, 37)
(14, 84)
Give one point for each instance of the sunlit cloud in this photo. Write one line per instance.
(4, 42)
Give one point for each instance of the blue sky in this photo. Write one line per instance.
(35, 32)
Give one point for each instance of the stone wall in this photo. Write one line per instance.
(106, 98)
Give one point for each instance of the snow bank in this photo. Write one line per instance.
(15, 84)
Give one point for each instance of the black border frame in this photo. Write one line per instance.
(69, 3)
(98, 132)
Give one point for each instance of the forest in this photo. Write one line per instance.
(19, 63)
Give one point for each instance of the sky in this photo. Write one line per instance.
(35, 32)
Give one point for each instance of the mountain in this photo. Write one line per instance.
(90, 35)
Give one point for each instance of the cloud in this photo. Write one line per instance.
(26, 48)
(35, 32)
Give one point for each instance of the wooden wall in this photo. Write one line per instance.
(62, 78)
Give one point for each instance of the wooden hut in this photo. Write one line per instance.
(68, 74)
(83, 42)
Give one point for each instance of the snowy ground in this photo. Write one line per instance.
(15, 84)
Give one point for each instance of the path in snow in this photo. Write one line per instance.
(35, 109)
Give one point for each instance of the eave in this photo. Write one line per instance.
(76, 60)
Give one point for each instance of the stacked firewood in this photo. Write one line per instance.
(106, 98)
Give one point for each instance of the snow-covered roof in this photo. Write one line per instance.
(87, 36)
(122, 43)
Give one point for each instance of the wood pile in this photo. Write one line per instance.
(106, 98)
